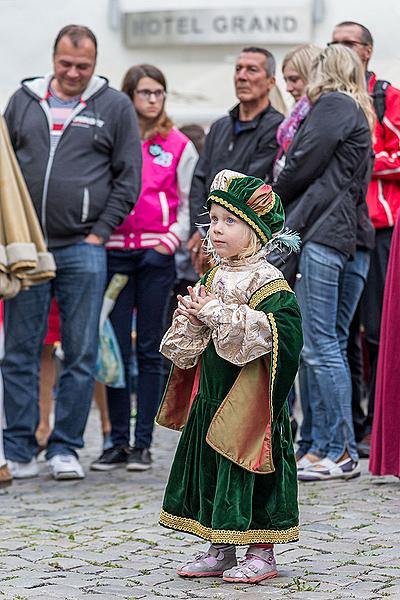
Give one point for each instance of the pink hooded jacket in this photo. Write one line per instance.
(161, 214)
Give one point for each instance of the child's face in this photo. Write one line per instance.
(228, 234)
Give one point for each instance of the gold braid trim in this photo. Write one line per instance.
(242, 215)
(227, 536)
(277, 285)
(231, 178)
(274, 362)
(210, 279)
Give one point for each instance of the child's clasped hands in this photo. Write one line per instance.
(191, 308)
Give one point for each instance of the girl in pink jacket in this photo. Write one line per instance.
(143, 248)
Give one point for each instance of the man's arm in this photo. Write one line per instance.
(387, 143)
(198, 190)
(262, 159)
(126, 166)
(9, 117)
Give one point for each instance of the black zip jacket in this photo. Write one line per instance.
(251, 151)
(92, 179)
(333, 140)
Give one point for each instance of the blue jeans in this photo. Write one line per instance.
(325, 382)
(351, 287)
(151, 280)
(78, 288)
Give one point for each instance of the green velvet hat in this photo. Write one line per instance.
(251, 200)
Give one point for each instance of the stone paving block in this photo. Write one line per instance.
(394, 590)
(112, 589)
(235, 592)
(90, 557)
(12, 545)
(64, 563)
(58, 589)
(77, 580)
(36, 554)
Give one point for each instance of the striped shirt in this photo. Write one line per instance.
(60, 111)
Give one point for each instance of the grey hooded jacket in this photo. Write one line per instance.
(91, 181)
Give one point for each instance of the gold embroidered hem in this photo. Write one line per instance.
(221, 536)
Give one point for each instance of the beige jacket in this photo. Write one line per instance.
(24, 259)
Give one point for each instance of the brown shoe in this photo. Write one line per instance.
(5, 476)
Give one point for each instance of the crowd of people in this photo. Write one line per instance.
(118, 189)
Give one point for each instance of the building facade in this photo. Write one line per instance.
(196, 45)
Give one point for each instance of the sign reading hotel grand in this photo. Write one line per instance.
(273, 24)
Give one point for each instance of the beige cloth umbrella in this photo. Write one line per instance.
(24, 258)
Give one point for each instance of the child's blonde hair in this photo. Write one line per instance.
(253, 246)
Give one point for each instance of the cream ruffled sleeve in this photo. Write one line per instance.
(240, 334)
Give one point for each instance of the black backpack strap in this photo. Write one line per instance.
(379, 98)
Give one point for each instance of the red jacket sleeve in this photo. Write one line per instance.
(387, 139)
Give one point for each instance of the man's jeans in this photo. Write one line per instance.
(78, 288)
(151, 280)
(325, 384)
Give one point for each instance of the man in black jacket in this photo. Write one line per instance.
(244, 141)
(78, 146)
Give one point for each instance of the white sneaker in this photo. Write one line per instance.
(23, 470)
(65, 466)
(304, 463)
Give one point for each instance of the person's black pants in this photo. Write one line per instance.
(356, 364)
(151, 278)
(371, 310)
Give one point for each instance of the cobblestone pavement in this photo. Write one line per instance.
(99, 537)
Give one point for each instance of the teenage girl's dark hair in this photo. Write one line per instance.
(163, 124)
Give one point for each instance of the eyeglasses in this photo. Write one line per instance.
(147, 94)
(348, 43)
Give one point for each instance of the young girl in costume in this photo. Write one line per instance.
(235, 342)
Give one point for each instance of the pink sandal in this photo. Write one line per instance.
(257, 565)
(210, 564)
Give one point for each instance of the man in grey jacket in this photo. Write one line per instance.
(243, 141)
(78, 145)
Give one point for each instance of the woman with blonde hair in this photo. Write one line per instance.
(296, 68)
(322, 186)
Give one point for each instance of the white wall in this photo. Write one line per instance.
(382, 17)
(200, 78)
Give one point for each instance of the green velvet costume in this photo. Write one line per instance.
(235, 500)
(234, 475)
